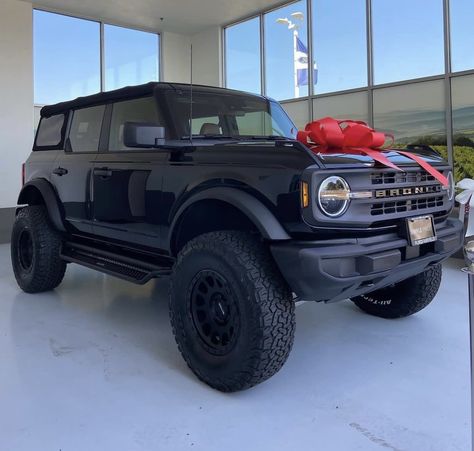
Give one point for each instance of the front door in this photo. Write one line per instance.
(127, 182)
(71, 173)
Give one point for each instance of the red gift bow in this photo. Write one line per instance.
(328, 133)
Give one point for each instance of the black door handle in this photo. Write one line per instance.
(60, 171)
(103, 172)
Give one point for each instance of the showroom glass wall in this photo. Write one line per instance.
(75, 57)
(405, 67)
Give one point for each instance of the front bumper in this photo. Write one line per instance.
(332, 270)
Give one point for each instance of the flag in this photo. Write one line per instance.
(301, 65)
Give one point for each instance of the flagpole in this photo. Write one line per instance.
(295, 59)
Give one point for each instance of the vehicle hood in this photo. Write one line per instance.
(348, 160)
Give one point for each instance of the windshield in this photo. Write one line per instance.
(229, 115)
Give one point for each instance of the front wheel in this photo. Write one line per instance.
(403, 298)
(232, 313)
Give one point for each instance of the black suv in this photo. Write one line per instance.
(210, 187)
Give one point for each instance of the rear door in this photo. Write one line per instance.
(71, 174)
(127, 181)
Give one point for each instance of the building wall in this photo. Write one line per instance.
(16, 92)
(207, 54)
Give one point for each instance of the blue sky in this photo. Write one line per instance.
(408, 43)
(407, 37)
(67, 57)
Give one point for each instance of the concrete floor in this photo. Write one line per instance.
(93, 366)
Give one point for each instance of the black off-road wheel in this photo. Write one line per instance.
(35, 250)
(404, 298)
(231, 311)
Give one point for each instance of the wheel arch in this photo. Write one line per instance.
(41, 192)
(245, 208)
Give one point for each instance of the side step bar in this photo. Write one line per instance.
(109, 262)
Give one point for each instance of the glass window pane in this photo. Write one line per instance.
(462, 35)
(340, 57)
(49, 133)
(343, 106)
(136, 110)
(463, 126)
(131, 57)
(408, 39)
(414, 114)
(242, 56)
(86, 126)
(66, 57)
(298, 112)
(286, 55)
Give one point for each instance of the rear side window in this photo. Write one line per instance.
(86, 125)
(137, 110)
(49, 133)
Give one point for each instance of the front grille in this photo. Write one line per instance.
(400, 177)
(384, 208)
(393, 194)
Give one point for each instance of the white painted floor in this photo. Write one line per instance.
(93, 366)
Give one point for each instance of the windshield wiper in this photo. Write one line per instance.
(209, 137)
(267, 137)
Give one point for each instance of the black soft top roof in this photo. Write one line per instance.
(129, 92)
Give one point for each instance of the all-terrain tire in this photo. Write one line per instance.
(404, 298)
(35, 251)
(235, 271)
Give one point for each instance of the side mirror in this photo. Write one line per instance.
(142, 134)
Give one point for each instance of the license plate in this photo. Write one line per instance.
(421, 230)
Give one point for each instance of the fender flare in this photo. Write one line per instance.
(50, 198)
(265, 221)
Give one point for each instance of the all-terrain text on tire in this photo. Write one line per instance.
(242, 217)
(403, 298)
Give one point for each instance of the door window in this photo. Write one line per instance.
(136, 110)
(84, 135)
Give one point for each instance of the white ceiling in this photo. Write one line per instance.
(179, 16)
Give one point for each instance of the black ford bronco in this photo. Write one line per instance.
(209, 186)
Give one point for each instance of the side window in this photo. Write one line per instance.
(84, 134)
(136, 110)
(50, 131)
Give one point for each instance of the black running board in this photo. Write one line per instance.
(112, 263)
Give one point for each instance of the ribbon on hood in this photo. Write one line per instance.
(349, 136)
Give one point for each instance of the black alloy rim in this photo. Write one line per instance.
(214, 312)
(25, 250)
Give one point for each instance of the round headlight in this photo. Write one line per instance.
(333, 196)
(451, 186)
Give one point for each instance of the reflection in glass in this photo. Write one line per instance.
(339, 44)
(463, 126)
(408, 39)
(344, 106)
(298, 112)
(131, 57)
(462, 36)
(66, 57)
(286, 54)
(414, 114)
(242, 56)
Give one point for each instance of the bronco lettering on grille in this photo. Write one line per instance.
(396, 192)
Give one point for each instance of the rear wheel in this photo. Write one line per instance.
(404, 298)
(35, 251)
(231, 311)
